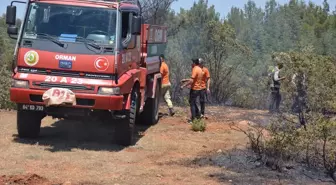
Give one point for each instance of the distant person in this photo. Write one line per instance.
(205, 85)
(300, 98)
(195, 83)
(275, 87)
(166, 85)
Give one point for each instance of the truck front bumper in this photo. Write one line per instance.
(90, 101)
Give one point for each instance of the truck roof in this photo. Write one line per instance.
(130, 4)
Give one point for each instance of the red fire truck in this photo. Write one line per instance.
(85, 58)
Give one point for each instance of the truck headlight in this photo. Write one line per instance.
(109, 90)
(20, 84)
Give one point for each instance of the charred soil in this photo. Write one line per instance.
(70, 152)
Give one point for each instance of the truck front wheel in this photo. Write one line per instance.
(124, 134)
(150, 115)
(29, 123)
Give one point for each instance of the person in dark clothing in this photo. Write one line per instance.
(275, 88)
(300, 103)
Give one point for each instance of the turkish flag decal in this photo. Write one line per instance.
(101, 64)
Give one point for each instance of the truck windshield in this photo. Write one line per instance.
(71, 23)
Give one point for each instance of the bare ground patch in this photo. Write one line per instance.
(29, 179)
(167, 153)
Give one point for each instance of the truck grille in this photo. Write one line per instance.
(45, 85)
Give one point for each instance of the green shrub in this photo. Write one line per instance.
(198, 125)
(5, 82)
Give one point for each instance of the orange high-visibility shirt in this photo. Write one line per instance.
(205, 78)
(164, 70)
(197, 76)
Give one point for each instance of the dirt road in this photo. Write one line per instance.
(168, 153)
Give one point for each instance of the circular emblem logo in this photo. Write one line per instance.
(101, 64)
(31, 58)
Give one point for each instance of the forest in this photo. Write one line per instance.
(238, 48)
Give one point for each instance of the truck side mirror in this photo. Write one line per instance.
(12, 30)
(136, 25)
(11, 15)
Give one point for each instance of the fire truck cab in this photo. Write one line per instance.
(85, 58)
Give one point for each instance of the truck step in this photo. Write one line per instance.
(119, 116)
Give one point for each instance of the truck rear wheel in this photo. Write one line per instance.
(29, 123)
(150, 115)
(124, 134)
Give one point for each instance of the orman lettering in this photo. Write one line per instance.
(65, 57)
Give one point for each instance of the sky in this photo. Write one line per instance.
(222, 6)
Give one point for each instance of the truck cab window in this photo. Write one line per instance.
(125, 29)
(97, 24)
(31, 19)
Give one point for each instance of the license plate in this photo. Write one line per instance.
(65, 64)
(58, 96)
(27, 107)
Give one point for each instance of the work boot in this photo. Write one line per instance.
(171, 112)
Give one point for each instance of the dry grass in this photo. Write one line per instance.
(84, 153)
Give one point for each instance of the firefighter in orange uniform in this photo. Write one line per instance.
(195, 89)
(164, 70)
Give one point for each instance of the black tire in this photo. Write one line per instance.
(29, 123)
(124, 134)
(150, 115)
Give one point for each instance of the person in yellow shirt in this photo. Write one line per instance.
(195, 83)
(166, 85)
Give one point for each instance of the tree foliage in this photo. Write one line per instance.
(155, 11)
(6, 53)
(238, 48)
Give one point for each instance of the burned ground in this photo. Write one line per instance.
(70, 152)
